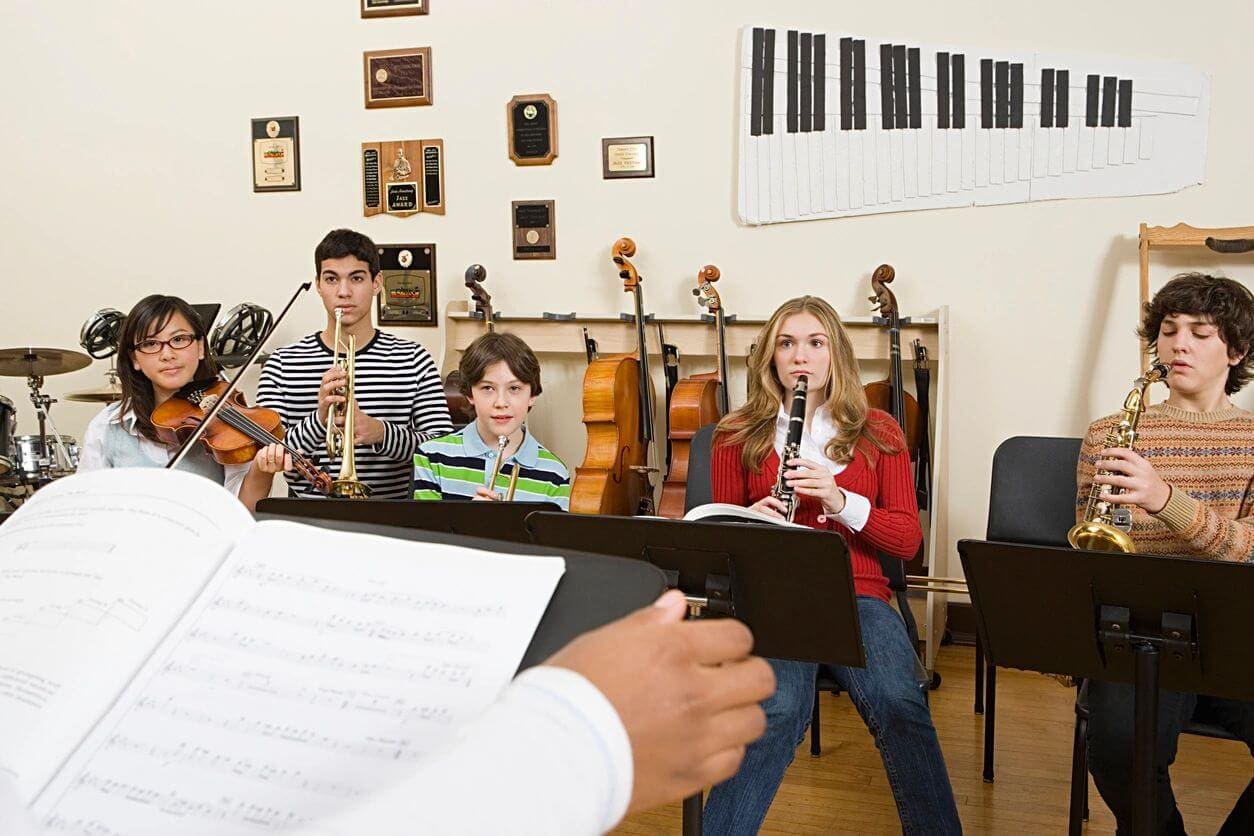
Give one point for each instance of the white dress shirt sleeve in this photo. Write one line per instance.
(856, 512)
(549, 757)
(235, 474)
(93, 455)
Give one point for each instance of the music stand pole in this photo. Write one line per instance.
(1145, 725)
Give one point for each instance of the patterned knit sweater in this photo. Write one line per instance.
(885, 480)
(1208, 460)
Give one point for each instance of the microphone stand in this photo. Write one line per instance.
(230, 389)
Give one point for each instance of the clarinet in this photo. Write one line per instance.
(792, 448)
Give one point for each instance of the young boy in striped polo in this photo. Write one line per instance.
(501, 376)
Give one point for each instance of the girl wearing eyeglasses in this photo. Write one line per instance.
(161, 349)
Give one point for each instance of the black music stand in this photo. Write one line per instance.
(793, 587)
(1179, 623)
(487, 520)
(594, 590)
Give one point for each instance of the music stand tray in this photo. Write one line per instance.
(1180, 623)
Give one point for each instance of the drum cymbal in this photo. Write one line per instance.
(40, 362)
(105, 394)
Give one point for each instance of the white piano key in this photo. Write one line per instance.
(883, 165)
(788, 175)
(831, 173)
(818, 165)
(1012, 155)
(801, 147)
(1025, 153)
(844, 170)
(1101, 146)
(910, 162)
(775, 159)
(1057, 148)
(1040, 151)
(970, 154)
(750, 188)
(953, 156)
(896, 170)
(1147, 137)
(996, 155)
(923, 138)
(939, 144)
(859, 171)
(1084, 159)
(1070, 149)
(982, 157)
(1115, 156)
(1132, 143)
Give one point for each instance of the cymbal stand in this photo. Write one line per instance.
(43, 406)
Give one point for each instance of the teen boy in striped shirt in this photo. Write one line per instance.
(501, 376)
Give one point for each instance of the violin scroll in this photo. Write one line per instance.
(706, 295)
(883, 301)
(624, 249)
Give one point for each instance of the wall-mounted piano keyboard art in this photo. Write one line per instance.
(832, 125)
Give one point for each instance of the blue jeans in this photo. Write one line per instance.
(886, 693)
(1110, 751)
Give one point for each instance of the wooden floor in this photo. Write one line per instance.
(845, 790)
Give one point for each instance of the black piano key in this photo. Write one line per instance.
(1125, 103)
(958, 79)
(886, 86)
(1001, 93)
(901, 104)
(755, 85)
(806, 82)
(942, 89)
(792, 81)
(846, 84)
(1047, 98)
(768, 83)
(859, 85)
(1016, 95)
(1108, 101)
(916, 91)
(1062, 80)
(820, 82)
(1090, 102)
(986, 92)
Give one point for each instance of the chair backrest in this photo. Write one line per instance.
(699, 491)
(1033, 492)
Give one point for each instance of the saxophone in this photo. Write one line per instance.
(1106, 525)
(792, 448)
(340, 440)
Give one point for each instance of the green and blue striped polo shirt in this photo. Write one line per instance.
(453, 466)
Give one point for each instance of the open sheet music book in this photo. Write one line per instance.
(723, 512)
(169, 665)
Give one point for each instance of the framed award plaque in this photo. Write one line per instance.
(626, 156)
(535, 229)
(532, 123)
(392, 8)
(397, 77)
(276, 154)
(402, 177)
(408, 275)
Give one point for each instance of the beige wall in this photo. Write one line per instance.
(124, 166)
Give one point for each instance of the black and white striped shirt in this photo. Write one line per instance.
(397, 382)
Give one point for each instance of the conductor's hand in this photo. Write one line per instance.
(1141, 484)
(687, 692)
(330, 391)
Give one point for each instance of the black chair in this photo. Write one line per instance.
(699, 492)
(1032, 500)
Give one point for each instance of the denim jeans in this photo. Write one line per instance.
(886, 694)
(1110, 750)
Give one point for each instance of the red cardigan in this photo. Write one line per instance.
(884, 479)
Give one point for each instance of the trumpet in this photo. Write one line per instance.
(340, 439)
(502, 441)
(792, 448)
(1106, 525)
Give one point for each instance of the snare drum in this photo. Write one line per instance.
(8, 421)
(38, 465)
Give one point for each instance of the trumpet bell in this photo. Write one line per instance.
(349, 489)
(1099, 537)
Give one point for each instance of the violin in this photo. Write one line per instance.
(459, 408)
(889, 395)
(618, 413)
(237, 432)
(696, 401)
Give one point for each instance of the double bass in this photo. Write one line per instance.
(459, 408)
(696, 401)
(615, 477)
(889, 395)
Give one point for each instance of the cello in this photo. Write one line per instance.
(889, 395)
(696, 401)
(459, 408)
(618, 413)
